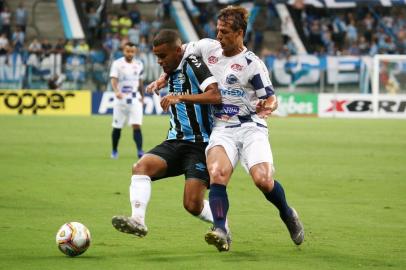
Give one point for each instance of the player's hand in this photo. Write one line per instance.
(265, 107)
(157, 85)
(119, 95)
(141, 99)
(169, 100)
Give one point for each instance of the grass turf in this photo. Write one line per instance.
(346, 178)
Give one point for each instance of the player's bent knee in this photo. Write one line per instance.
(265, 185)
(219, 175)
(194, 207)
(141, 168)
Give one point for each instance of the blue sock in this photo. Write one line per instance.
(137, 136)
(277, 197)
(115, 137)
(218, 200)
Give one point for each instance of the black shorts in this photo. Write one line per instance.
(183, 157)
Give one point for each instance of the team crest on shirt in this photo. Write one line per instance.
(231, 79)
(181, 78)
(236, 67)
(212, 59)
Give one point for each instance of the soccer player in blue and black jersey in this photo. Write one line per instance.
(192, 88)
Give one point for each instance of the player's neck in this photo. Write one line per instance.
(128, 60)
(234, 51)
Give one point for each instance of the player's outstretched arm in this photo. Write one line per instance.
(210, 96)
(158, 84)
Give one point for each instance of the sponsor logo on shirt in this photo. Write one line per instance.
(126, 89)
(225, 111)
(231, 79)
(236, 67)
(234, 92)
(212, 60)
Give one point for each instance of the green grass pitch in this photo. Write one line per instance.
(346, 178)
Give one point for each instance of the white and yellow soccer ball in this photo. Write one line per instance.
(73, 238)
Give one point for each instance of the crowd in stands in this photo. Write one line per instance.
(13, 26)
(111, 30)
(359, 31)
(262, 17)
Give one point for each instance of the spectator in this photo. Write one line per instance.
(135, 15)
(113, 24)
(143, 47)
(373, 48)
(339, 31)
(124, 24)
(387, 45)
(210, 29)
(401, 38)
(111, 43)
(46, 47)
(69, 47)
(59, 47)
(166, 6)
(363, 45)
(88, 5)
(21, 17)
(353, 49)
(82, 48)
(134, 34)
(5, 17)
(368, 23)
(4, 48)
(18, 39)
(35, 47)
(155, 26)
(93, 21)
(352, 33)
(145, 27)
(35, 50)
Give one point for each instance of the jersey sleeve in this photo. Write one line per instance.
(260, 80)
(201, 71)
(114, 70)
(199, 48)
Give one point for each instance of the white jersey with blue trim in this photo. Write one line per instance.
(243, 79)
(128, 74)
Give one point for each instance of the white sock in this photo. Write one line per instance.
(206, 214)
(140, 193)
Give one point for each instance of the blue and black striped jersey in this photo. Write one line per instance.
(190, 122)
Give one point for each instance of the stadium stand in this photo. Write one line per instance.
(298, 39)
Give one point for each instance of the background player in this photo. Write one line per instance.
(189, 81)
(126, 81)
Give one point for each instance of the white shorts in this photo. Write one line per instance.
(248, 143)
(128, 110)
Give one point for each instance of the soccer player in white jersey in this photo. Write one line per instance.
(240, 132)
(126, 80)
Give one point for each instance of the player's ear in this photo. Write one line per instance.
(178, 49)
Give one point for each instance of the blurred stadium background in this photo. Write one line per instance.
(313, 49)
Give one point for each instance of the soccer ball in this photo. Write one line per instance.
(73, 238)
